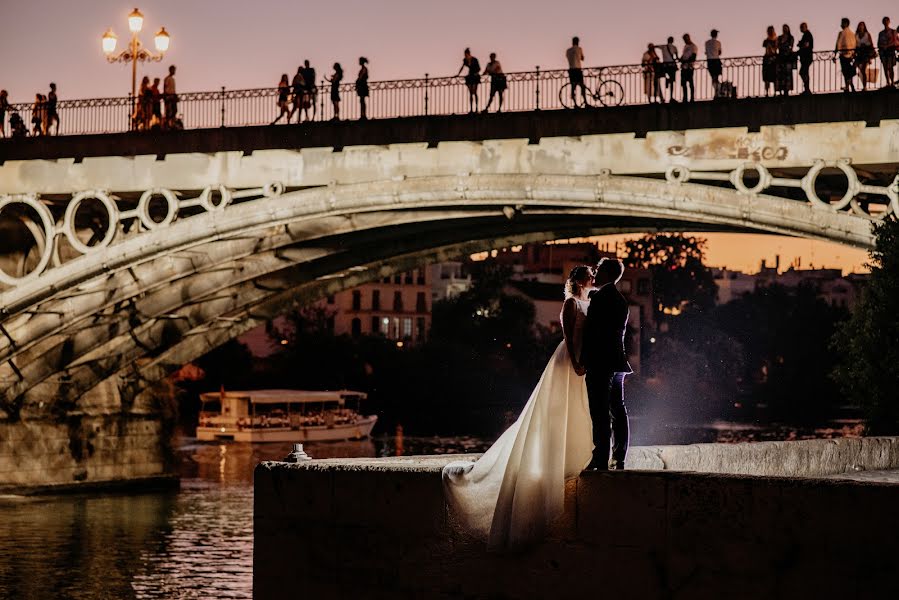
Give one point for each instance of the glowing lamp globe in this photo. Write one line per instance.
(135, 21)
(109, 41)
(162, 40)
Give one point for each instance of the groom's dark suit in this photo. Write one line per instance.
(603, 356)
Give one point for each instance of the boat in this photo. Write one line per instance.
(283, 416)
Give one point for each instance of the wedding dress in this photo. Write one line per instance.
(517, 488)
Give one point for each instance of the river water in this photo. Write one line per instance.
(196, 542)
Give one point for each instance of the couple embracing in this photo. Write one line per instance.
(514, 492)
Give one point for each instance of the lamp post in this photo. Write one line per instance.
(135, 50)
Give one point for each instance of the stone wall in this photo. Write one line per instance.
(379, 528)
(98, 442)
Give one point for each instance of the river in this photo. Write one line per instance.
(197, 542)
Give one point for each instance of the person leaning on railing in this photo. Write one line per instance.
(687, 58)
(498, 82)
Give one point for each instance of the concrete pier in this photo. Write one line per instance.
(100, 442)
(790, 519)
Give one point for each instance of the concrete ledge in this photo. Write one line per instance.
(380, 528)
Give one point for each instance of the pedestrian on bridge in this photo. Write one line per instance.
(864, 53)
(651, 73)
(886, 48)
(806, 56)
(170, 98)
(498, 82)
(575, 57)
(299, 90)
(845, 48)
(4, 106)
(769, 60)
(472, 78)
(687, 58)
(362, 87)
(283, 95)
(784, 83)
(311, 94)
(669, 65)
(37, 115)
(713, 59)
(335, 80)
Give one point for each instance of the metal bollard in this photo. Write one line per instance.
(297, 455)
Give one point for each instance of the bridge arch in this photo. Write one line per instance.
(146, 305)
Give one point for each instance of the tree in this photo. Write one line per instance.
(867, 344)
(680, 279)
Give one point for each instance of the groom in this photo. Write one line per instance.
(603, 357)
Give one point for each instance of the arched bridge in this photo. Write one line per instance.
(119, 269)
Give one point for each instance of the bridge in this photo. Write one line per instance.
(126, 255)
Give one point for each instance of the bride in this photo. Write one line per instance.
(517, 488)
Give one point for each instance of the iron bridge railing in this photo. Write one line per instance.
(527, 91)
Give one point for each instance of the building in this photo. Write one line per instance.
(830, 284)
(448, 280)
(398, 307)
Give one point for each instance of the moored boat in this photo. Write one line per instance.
(283, 416)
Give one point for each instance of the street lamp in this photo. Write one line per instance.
(135, 50)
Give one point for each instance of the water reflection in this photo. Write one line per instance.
(194, 543)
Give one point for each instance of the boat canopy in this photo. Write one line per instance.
(285, 396)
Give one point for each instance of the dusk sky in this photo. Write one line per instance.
(241, 44)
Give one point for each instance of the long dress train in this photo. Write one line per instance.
(516, 489)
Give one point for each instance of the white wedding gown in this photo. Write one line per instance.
(517, 488)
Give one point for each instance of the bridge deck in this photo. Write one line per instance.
(752, 113)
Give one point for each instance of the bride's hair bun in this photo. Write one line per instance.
(572, 287)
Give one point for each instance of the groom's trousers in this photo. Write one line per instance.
(605, 395)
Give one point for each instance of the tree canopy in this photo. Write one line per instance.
(867, 344)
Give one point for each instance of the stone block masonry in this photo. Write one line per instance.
(379, 528)
(99, 443)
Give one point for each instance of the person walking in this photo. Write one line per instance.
(575, 57)
(713, 59)
(886, 49)
(283, 95)
(864, 52)
(311, 97)
(784, 82)
(498, 82)
(52, 110)
(806, 56)
(170, 98)
(335, 80)
(298, 84)
(651, 72)
(4, 107)
(687, 58)
(472, 79)
(769, 60)
(845, 48)
(37, 111)
(362, 87)
(669, 66)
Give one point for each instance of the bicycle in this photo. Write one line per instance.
(608, 92)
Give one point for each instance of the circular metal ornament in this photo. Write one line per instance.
(677, 174)
(49, 231)
(143, 208)
(206, 199)
(739, 172)
(852, 184)
(68, 223)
